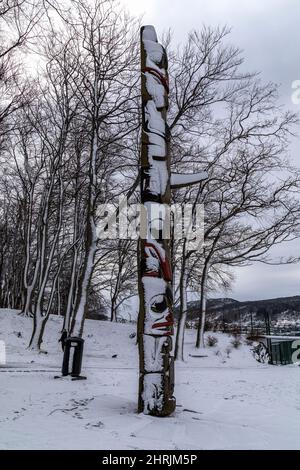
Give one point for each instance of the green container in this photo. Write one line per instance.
(281, 352)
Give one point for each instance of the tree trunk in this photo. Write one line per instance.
(113, 311)
(71, 294)
(36, 337)
(80, 310)
(27, 310)
(91, 236)
(179, 345)
(202, 313)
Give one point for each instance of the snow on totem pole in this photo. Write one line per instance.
(155, 325)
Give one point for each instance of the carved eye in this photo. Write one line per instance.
(159, 304)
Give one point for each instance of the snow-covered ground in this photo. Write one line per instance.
(223, 402)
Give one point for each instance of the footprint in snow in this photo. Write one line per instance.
(99, 424)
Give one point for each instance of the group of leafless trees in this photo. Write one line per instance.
(69, 141)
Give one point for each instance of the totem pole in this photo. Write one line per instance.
(155, 326)
(155, 323)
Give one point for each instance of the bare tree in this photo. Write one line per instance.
(105, 89)
(230, 123)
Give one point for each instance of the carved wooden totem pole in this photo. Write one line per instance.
(155, 324)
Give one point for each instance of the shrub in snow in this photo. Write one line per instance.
(236, 342)
(248, 342)
(211, 340)
(208, 325)
(235, 332)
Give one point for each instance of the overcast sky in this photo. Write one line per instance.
(268, 33)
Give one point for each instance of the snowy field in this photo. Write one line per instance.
(223, 402)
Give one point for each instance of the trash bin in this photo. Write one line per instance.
(72, 359)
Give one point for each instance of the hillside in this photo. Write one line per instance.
(279, 309)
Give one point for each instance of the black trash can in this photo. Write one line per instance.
(72, 359)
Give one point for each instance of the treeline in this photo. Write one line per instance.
(69, 141)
